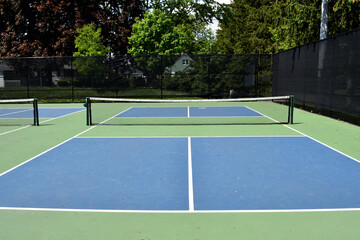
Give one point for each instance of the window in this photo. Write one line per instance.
(185, 62)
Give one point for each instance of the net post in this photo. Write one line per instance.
(291, 105)
(36, 112)
(88, 111)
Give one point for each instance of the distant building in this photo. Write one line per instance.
(182, 64)
(9, 77)
(3, 68)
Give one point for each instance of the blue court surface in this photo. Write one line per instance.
(23, 113)
(148, 112)
(185, 174)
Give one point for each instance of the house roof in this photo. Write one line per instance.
(181, 64)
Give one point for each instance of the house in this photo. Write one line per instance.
(7, 82)
(182, 64)
(3, 67)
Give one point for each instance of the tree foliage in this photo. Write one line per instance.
(116, 17)
(344, 15)
(177, 26)
(299, 24)
(205, 41)
(296, 24)
(245, 30)
(156, 34)
(192, 12)
(48, 27)
(89, 43)
(266, 26)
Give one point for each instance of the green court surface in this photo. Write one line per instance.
(19, 144)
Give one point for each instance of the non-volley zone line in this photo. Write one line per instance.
(154, 174)
(166, 112)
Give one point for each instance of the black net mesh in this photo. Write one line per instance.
(18, 112)
(158, 76)
(251, 111)
(324, 75)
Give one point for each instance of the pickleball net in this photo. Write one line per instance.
(19, 112)
(120, 111)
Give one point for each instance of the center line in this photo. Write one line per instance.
(190, 178)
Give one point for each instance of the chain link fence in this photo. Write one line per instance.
(157, 76)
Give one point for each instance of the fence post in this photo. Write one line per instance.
(72, 78)
(208, 74)
(27, 77)
(257, 67)
(161, 77)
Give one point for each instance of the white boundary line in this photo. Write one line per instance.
(197, 117)
(228, 116)
(280, 136)
(182, 211)
(2, 174)
(160, 107)
(188, 115)
(305, 135)
(262, 115)
(14, 130)
(188, 112)
(6, 114)
(190, 177)
(48, 120)
(191, 201)
(114, 116)
(124, 111)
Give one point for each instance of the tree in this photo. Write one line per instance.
(14, 15)
(246, 29)
(116, 18)
(174, 26)
(205, 41)
(55, 24)
(266, 26)
(157, 34)
(44, 27)
(89, 42)
(344, 15)
(48, 27)
(191, 12)
(90, 47)
(296, 24)
(195, 16)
